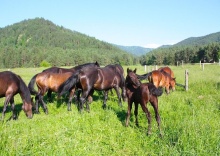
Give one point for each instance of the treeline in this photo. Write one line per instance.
(39, 42)
(187, 54)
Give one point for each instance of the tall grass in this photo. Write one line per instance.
(190, 122)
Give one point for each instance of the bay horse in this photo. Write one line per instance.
(141, 93)
(160, 79)
(90, 79)
(47, 81)
(64, 70)
(12, 84)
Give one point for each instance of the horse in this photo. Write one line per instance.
(12, 84)
(64, 70)
(47, 81)
(167, 70)
(90, 79)
(160, 79)
(141, 93)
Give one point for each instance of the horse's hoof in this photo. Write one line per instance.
(36, 112)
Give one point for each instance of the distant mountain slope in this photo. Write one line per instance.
(29, 42)
(135, 50)
(214, 37)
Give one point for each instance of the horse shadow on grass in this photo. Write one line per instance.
(18, 109)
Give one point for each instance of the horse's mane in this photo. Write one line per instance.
(79, 67)
(23, 89)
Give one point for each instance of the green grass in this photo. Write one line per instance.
(190, 123)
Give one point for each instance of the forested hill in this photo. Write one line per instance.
(36, 42)
(136, 50)
(211, 38)
(191, 50)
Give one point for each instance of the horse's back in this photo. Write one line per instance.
(52, 80)
(167, 70)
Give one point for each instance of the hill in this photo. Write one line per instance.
(32, 41)
(207, 39)
(135, 50)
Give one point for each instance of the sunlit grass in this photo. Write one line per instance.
(189, 121)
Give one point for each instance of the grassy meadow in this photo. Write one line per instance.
(190, 122)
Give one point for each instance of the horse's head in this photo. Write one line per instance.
(132, 78)
(172, 83)
(27, 108)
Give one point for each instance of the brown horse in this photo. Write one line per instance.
(167, 70)
(11, 84)
(160, 79)
(48, 81)
(141, 94)
(90, 79)
(64, 70)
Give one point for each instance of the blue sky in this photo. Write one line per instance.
(147, 23)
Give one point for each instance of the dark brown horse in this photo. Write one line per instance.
(64, 70)
(138, 93)
(160, 79)
(47, 81)
(10, 85)
(90, 79)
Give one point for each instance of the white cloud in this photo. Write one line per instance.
(152, 45)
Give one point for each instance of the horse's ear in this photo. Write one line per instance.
(135, 70)
(128, 70)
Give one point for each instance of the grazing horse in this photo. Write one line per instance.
(160, 79)
(10, 85)
(90, 79)
(141, 94)
(64, 70)
(167, 70)
(48, 81)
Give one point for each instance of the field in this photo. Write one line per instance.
(190, 122)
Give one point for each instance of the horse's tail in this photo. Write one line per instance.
(144, 76)
(68, 84)
(31, 85)
(123, 92)
(155, 91)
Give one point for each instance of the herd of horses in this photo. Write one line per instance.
(81, 82)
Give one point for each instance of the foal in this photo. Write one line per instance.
(141, 94)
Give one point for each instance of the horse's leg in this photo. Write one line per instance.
(118, 94)
(154, 103)
(43, 104)
(129, 111)
(83, 99)
(37, 104)
(72, 92)
(105, 99)
(144, 108)
(7, 99)
(13, 108)
(49, 96)
(136, 113)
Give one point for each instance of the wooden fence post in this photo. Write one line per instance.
(186, 80)
(203, 66)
